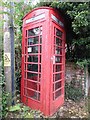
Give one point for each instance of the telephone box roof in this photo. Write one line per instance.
(43, 7)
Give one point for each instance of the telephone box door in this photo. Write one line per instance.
(58, 67)
(32, 46)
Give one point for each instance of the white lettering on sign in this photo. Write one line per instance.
(29, 49)
(35, 18)
(57, 20)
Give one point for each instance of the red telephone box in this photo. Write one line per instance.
(43, 60)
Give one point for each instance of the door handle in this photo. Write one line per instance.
(53, 59)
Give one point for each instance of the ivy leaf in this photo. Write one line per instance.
(29, 115)
(15, 108)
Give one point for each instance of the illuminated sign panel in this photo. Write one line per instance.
(57, 20)
(35, 18)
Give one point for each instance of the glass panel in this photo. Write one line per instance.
(57, 76)
(34, 40)
(32, 94)
(57, 94)
(53, 68)
(58, 51)
(32, 49)
(58, 42)
(39, 87)
(33, 58)
(40, 39)
(40, 58)
(39, 68)
(32, 76)
(34, 31)
(31, 85)
(41, 30)
(39, 77)
(38, 96)
(53, 87)
(57, 59)
(58, 68)
(57, 85)
(32, 67)
(58, 32)
(53, 78)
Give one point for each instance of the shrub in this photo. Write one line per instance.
(73, 91)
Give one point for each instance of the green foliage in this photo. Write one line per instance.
(23, 111)
(78, 12)
(74, 92)
(28, 115)
(15, 108)
(83, 63)
(4, 97)
(4, 104)
(78, 40)
(20, 9)
(80, 17)
(1, 37)
(3, 94)
(43, 3)
(26, 112)
(18, 66)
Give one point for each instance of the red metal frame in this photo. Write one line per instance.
(43, 67)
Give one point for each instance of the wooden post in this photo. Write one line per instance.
(9, 53)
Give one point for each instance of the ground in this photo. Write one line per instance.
(70, 109)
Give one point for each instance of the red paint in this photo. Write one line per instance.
(43, 71)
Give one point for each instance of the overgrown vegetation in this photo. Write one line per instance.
(73, 90)
(78, 40)
(4, 95)
(20, 10)
(24, 111)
